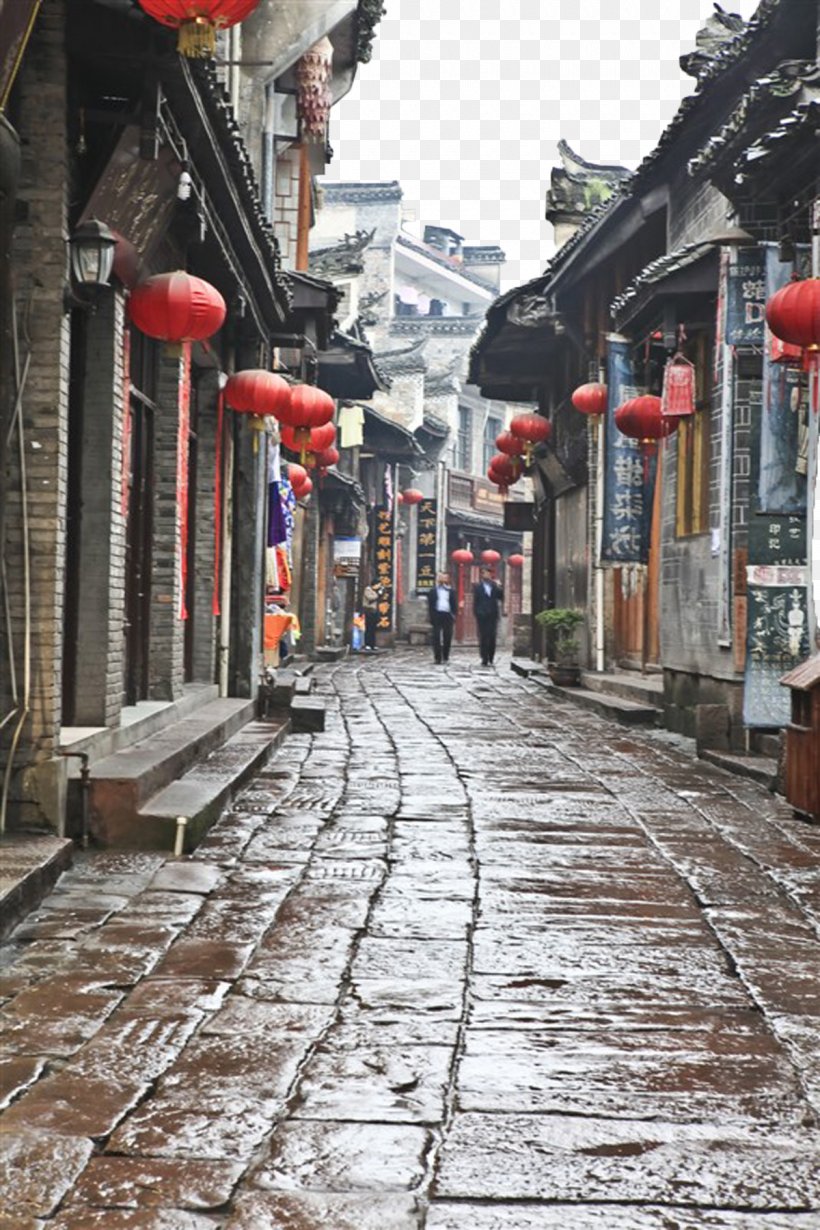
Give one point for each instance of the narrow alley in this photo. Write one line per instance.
(473, 957)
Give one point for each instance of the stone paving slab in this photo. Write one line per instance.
(520, 1216)
(579, 1160)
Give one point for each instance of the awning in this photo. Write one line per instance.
(507, 360)
(388, 439)
(689, 271)
(347, 369)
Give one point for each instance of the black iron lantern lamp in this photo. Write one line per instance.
(92, 255)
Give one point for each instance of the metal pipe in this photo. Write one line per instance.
(179, 840)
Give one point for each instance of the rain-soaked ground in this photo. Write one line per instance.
(472, 958)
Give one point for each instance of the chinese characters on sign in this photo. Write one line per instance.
(777, 625)
(426, 546)
(746, 299)
(624, 539)
(383, 551)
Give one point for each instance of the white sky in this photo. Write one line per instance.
(464, 105)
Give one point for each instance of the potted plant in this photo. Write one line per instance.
(560, 624)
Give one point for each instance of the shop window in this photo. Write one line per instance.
(693, 445)
(492, 428)
(462, 457)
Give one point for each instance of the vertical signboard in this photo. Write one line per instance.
(384, 564)
(624, 539)
(746, 299)
(777, 624)
(426, 545)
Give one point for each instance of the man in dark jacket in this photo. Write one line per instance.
(487, 598)
(441, 604)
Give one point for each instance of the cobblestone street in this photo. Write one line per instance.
(471, 958)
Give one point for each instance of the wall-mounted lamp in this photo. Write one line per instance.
(92, 260)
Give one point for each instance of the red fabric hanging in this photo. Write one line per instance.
(678, 399)
(220, 418)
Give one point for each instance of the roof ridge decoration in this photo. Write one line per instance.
(343, 257)
(788, 79)
(720, 28)
(351, 191)
(411, 359)
(368, 15)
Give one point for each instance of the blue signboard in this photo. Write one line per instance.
(746, 299)
(625, 538)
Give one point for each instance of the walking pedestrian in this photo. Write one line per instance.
(487, 598)
(370, 606)
(441, 603)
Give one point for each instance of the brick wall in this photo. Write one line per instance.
(99, 651)
(286, 204)
(203, 528)
(39, 257)
(166, 653)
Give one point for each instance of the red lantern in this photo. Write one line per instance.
(793, 313)
(256, 392)
(515, 561)
(319, 438)
(509, 444)
(642, 419)
(327, 458)
(198, 20)
(532, 429)
(297, 476)
(490, 557)
(302, 492)
(462, 556)
(176, 307)
(590, 398)
(412, 496)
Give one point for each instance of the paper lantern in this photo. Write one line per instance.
(490, 556)
(515, 561)
(590, 398)
(793, 313)
(462, 556)
(309, 407)
(198, 21)
(412, 496)
(641, 418)
(532, 429)
(509, 444)
(256, 392)
(176, 307)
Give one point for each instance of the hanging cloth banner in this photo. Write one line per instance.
(678, 399)
(625, 538)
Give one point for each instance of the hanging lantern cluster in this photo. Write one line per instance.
(177, 307)
(198, 21)
(504, 470)
(300, 480)
(793, 315)
(590, 399)
(307, 409)
(531, 430)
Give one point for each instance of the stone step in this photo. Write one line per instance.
(199, 796)
(527, 667)
(616, 708)
(121, 783)
(30, 865)
(307, 714)
(137, 722)
(761, 769)
(644, 689)
(331, 653)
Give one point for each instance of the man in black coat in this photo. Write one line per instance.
(441, 604)
(487, 598)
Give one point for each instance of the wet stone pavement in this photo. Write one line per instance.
(470, 958)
